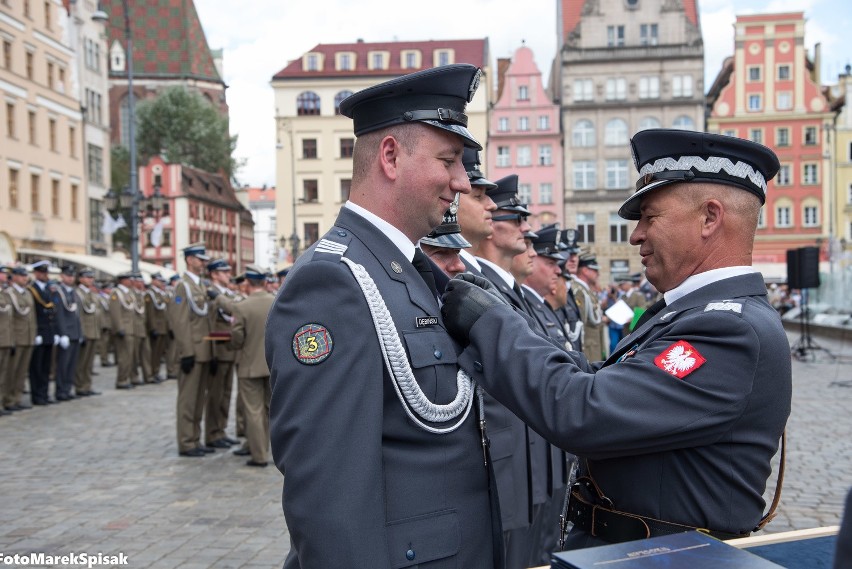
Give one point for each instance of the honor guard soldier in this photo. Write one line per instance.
(414, 465)
(7, 340)
(677, 428)
(105, 345)
(543, 281)
(585, 290)
(42, 291)
(141, 346)
(253, 390)
(191, 321)
(474, 215)
(222, 301)
(24, 332)
(70, 330)
(156, 323)
(90, 320)
(443, 244)
(172, 359)
(569, 314)
(122, 313)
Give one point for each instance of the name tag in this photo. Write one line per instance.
(425, 321)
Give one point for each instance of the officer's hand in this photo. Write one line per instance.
(212, 293)
(64, 342)
(39, 340)
(55, 339)
(154, 334)
(187, 363)
(465, 299)
(171, 335)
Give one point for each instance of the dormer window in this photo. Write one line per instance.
(116, 57)
(312, 62)
(410, 59)
(378, 59)
(345, 61)
(444, 57)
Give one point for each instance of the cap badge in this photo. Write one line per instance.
(680, 359)
(474, 85)
(454, 207)
(312, 344)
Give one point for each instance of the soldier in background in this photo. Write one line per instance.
(272, 284)
(7, 342)
(172, 359)
(25, 329)
(585, 289)
(569, 314)
(90, 320)
(70, 330)
(443, 244)
(253, 389)
(42, 292)
(222, 374)
(122, 313)
(156, 323)
(105, 344)
(141, 346)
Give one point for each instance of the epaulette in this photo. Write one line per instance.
(724, 306)
(332, 246)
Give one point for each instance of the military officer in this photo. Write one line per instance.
(191, 322)
(585, 290)
(415, 471)
(105, 345)
(156, 323)
(253, 387)
(172, 359)
(678, 426)
(7, 341)
(42, 291)
(475, 209)
(24, 333)
(70, 330)
(142, 372)
(443, 244)
(122, 313)
(542, 282)
(90, 320)
(222, 375)
(569, 314)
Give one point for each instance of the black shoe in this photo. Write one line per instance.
(52, 401)
(39, 402)
(137, 383)
(22, 406)
(124, 386)
(4, 412)
(242, 452)
(206, 449)
(91, 392)
(60, 398)
(95, 373)
(230, 441)
(219, 444)
(108, 364)
(171, 376)
(82, 393)
(253, 463)
(192, 452)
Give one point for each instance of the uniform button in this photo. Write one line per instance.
(438, 354)
(477, 366)
(409, 555)
(341, 234)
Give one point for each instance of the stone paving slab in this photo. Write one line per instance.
(101, 474)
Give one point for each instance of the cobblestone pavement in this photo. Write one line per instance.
(101, 474)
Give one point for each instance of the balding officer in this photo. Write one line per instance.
(191, 323)
(90, 321)
(70, 330)
(410, 471)
(678, 426)
(25, 331)
(42, 291)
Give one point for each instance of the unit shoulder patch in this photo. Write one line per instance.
(680, 359)
(312, 343)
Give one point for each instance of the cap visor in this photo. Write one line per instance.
(630, 209)
(459, 130)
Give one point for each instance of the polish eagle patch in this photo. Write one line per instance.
(680, 359)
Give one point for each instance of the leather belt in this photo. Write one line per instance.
(615, 526)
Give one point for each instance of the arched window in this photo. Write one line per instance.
(583, 133)
(684, 122)
(649, 122)
(307, 103)
(615, 133)
(339, 99)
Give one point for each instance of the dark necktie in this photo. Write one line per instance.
(421, 263)
(652, 310)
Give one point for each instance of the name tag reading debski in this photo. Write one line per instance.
(426, 321)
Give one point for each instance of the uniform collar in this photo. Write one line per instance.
(473, 261)
(394, 235)
(532, 292)
(501, 272)
(700, 280)
(195, 278)
(18, 287)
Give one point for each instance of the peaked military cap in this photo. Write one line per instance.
(174, 278)
(448, 234)
(668, 156)
(568, 241)
(436, 97)
(622, 278)
(122, 276)
(218, 265)
(530, 234)
(41, 266)
(473, 165)
(546, 243)
(283, 272)
(137, 276)
(254, 273)
(68, 270)
(196, 250)
(19, 270)
(158, 277)
(589, 260)
(505, 195)
(86, 272)
(5, 269)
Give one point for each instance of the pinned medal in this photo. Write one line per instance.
(396, 267)
(312, 344)
(680, 359)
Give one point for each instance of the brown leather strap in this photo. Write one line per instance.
(777, 499)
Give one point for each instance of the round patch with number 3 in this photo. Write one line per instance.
(312, 343)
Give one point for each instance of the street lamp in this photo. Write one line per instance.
(101, 16)
(294, 244)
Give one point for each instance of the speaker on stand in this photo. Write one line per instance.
(803, 274)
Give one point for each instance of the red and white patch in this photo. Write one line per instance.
(680, 359)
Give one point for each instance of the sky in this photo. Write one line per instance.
(259, 38)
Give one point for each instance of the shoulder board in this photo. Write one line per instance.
(724, 306)
(332, 246)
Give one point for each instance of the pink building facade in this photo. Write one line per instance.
(524, 139)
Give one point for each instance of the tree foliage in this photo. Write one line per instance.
(185, 128)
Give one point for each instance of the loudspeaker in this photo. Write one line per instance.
(803, 267)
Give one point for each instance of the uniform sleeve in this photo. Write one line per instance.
(326, 420)
(181, 319)
(627, 408)
(238, 329)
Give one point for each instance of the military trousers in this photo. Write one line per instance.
(158, 350)
(19, 365)
(123, 359)
(218, 402)
(40, 363)
(83, 374)
(6, 379)
(66, 363)
(142, 359)
(192, 395)
(172, 359)
(105, 345)
(255, 393)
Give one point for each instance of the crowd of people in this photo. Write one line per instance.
(52, 330)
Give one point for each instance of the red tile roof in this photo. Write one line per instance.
(168, 40)
(209, 187)
(466, 51)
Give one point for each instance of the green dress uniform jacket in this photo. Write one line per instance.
(591, 315)
(190, 327)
